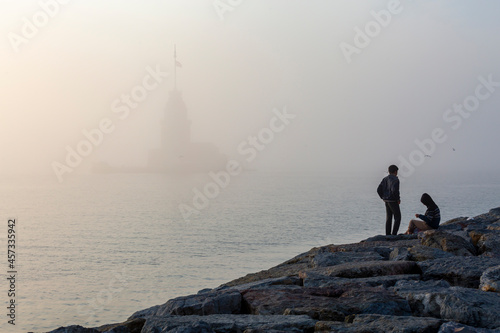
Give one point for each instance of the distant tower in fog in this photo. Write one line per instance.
(176, 126)
(177, 152)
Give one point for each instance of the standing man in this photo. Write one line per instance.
(388, 190)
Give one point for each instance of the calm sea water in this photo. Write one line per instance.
(97, 248)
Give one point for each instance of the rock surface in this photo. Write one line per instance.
(453, 327)
(464, 305)
(378, 323)
(490, 280)
(448, 242)
(444, 280)
(228, 323)
(213, 302)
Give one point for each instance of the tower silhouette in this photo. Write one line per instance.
(177, 152)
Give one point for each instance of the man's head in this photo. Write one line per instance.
(393, 170)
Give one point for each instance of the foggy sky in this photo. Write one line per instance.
(241, 64)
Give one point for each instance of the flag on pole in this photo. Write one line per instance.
(178, 64)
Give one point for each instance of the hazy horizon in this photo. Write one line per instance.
(350, 111)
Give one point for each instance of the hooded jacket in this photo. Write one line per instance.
(388, 190)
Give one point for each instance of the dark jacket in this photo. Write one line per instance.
(388, 190)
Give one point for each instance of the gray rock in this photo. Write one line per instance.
(479, 222)
(390, 238)
(226, 301)
(490, 280)
(382, 247)
(289, 268)
(424, 253)
(292, 330)
(366, 269)
(494, 226)
(144, 313)
(487, 241)
(321, 302)
(317, 313)
(495, 212)
(317, 280)
(74, 329)
(281, 281)
(421, 285)
(400, 253)
(130, 326)
(467, 306)
(325, 259)
(461, 233)
(458, 271)
(194, 327)
(453, 327)
(447, 242)
(457, 221)
(490, 217)
(379, 323)
(228, 323)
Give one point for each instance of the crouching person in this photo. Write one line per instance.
(428, 221)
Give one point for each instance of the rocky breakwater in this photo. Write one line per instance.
(445, 280)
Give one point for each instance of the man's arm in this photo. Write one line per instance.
(380, 190)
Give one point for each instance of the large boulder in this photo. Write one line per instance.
(383, 245)
(228, 323)
(325, 259)
(74, 329)
(490, 280)
(458, 271)
(453, 327)
(464, 305)
(457, 221)
(390, 238)
(424, 253)
(324, 303)
(317, 280)
(487, 241)
(227, 301)
(354, 270)
(266, 283)
(447, 242)
(129, 326)
(495, 212)
(400, 253)
(469, 224)
(380, 323)
(491, 217)
(289, 268)
(494, 226)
